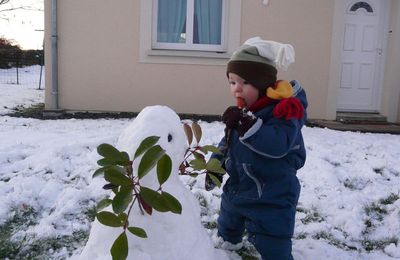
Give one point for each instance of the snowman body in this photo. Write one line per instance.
(169, 236)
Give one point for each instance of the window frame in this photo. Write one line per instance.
(189, 45)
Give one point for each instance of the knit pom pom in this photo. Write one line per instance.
(289, 108)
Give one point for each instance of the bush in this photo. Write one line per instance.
(11, 55)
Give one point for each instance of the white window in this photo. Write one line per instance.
(189, 25)
(189, 31)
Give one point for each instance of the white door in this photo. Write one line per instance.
(361, 84)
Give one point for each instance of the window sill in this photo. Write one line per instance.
(185, 57)
(193, 54)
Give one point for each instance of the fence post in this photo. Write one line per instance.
(40, 78)
(41, 61)
(17, 73)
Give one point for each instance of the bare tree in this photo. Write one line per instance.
(11, 7)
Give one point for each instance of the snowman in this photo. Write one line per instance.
(169, 236)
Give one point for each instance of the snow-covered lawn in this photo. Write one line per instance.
(349, 206)
(23, 95)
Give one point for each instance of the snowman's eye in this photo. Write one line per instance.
(169, 138)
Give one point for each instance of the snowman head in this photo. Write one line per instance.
(158, 121)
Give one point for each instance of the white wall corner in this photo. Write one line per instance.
(335, 60)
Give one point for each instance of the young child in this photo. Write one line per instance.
(262, 150)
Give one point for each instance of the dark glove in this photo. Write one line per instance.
(246, 121)
(231, 117)
(209, 184)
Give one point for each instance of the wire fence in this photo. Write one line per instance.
(22, 67)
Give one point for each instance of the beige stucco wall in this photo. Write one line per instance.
(99, 66)
(101, 69)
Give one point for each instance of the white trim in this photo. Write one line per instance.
(341, 8)
(231, 39)
(335, 60)
(192, 54)
(383, 45)
(253, 129)
(251, 176)
(264, 154)
(189, 45)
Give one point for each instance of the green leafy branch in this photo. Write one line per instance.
(116, 168)
(194, 162)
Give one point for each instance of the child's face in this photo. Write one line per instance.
(242, 88)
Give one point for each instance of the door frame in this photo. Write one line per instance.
(340, 8)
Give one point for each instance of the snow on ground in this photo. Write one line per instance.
(24, 94)
(348, 209)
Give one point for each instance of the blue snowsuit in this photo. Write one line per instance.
(262, 190)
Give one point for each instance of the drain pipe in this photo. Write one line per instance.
(54, 56)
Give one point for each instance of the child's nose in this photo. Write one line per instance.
(238, 87)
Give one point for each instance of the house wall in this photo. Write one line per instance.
(100, 67)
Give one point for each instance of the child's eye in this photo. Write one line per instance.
(232, 82)
(245, 83)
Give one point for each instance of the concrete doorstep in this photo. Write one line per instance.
(358, 122)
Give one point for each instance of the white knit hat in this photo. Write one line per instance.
(257, 61)
(279, 54)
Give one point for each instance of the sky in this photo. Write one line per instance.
(23, 26)
(348, 209)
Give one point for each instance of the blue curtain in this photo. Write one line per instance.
(207, 22)
(171, 20)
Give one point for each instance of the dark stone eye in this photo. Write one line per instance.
(169, 137)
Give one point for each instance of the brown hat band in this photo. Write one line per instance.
(260, 75)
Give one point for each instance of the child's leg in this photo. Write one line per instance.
(272, 247)
(230, 223)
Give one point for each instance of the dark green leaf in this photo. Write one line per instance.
(214, 165)
(197, 131)
(110, 186)
(122, 199)
(111, 153)
(153, 199)
(125, 156)
(210, 148)
(117, 175)
(99, 171)
(172, 203)
(115, 189)
(138, 232)
(123, 217)
(198, 164)
(146, 207)
(188, 132)
(215, 180)
(149, 160)
(164, 167)
(145, 145)
(119, 249)
(198, 155)
(108, 219)
(193, 174)
(103, 204)
(105, 162)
